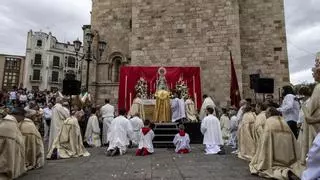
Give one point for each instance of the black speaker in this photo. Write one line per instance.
(71, 87)
(253, 80)
(265, 86)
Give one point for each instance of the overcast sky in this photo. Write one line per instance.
(64, 18)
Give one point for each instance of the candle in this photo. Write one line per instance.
(195, 100)
(130, 98)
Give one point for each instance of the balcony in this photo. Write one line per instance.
(55, 81)
(35, 79)
(56, 66)
(36, 64)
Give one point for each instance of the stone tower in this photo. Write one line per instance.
(191, 33)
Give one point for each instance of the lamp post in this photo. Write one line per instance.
(88, 55)
(77, 45)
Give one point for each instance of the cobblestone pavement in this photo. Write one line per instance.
(163, 164)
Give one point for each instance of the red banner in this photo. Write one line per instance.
(130, 75)
(234, 86)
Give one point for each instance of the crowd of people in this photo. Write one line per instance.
(278, 141)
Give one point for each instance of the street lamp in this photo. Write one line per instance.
(77, 45)
(88, 55)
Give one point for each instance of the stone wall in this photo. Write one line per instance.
(263, 42)
(194, 33)
(188, 33)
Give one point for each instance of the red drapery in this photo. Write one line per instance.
(129, 76)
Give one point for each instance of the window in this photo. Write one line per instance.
(37, 59)
(115, 69)
(56, 61)
(39, 43)
(36, 74)
(11, 73)
(55, 76)
(71, 62)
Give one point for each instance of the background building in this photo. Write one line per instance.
(11, 71)
(47, 61)
(191, 33)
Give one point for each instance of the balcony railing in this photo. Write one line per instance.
(33, 63)
(56, 66)
(35, 79)
(55, 81)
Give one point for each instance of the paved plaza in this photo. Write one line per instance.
(163, 164)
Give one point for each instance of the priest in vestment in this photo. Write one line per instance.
(162, 111)
(137, 107)
(311, 111)
(34, 149)
(260, 122)
(206, 102)
(225, 125)
(191, 110)
(307, 132)
(12, 149)
(212, 136)
(59, 114)
(246, 142)
(92, 134)
(277, 156)
(68, 143)
(177, 108)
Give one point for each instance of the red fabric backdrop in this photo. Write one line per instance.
(129, 76)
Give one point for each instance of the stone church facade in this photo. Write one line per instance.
(190, 33)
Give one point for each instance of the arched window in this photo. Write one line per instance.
(115, 68)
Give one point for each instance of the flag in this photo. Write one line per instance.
(234, 86)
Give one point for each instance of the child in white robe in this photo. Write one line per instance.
(145, 143)
(212, 136)
(136, 124)
(92, 135)
(181, 141)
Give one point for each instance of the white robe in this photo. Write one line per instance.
(207, 102)
(233, 131)
(146, 141)
(136, 124)
(182, 107)
(120, 134)
(210, 128)
(225, 127)
(59, 114)
(107, 113)
(92, 135)
(176, 109)
(181, 142)
(313, 161)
